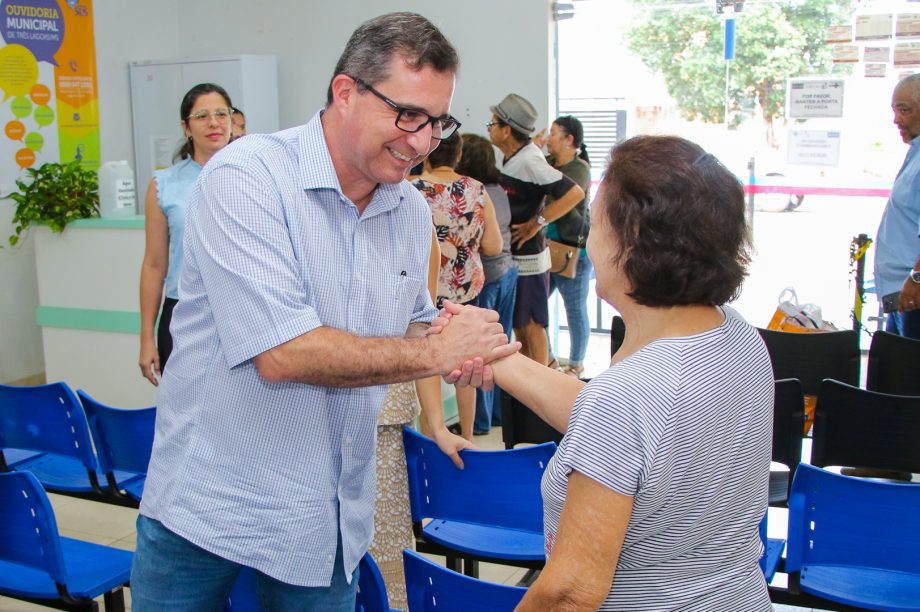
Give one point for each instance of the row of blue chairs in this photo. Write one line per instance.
(75, 445)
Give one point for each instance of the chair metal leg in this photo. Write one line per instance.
(471, 568)
(114, 600)
(454, 564)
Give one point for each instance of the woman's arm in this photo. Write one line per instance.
(153, 272)
(583, 561)
(429, 389)
(549, 393)
(491, 241)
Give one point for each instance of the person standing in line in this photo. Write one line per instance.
(568, 154)
(897, 245)
(527, 178)
(302, 295)
(465, 222)
(204, 114)
(239, 123)
(478, 161)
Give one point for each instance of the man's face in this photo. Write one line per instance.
(382, 152)
(906, 113)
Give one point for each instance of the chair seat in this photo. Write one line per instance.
(486, 540)
(92, 570)
(877, 589)
(772, 556)
(63, 474)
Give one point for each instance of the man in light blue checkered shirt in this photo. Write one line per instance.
(306, 253)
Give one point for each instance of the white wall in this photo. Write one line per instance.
(504, 46)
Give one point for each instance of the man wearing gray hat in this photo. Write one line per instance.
(527, 178)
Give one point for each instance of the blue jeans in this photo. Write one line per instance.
(905, 324)
(498, 296)
(171, 573)
(574, 292)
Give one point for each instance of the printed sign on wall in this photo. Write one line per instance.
(49, 106)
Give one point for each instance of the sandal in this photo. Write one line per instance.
(553, 364)
(571, 370)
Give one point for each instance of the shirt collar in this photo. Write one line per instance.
(318, 172)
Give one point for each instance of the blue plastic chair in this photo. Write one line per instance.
(491, 510)
(432, 588)
(772, 551)
(372, 591)
(38, 565)
(124, 441)
(854, 541)
(49, 420)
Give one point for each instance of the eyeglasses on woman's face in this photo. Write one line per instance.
(221, 115)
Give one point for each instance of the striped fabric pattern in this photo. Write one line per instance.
(684, 427)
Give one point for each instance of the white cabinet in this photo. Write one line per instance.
(157, 88)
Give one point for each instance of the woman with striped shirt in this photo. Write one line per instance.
(653, 499)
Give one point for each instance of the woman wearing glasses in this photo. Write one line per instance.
(205, 117)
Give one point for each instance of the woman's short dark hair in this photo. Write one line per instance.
(571, 126)
(678, 217)
(447, 153)
(478, 160)
(185, 109)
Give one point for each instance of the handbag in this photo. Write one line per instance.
(563, 258)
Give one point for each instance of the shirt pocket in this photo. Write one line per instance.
(405, 296)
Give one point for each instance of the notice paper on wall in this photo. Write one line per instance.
(815, 97)
(906, 54)
(873, 27)
(813, 148)
(877, 54)
(839, 34)
(908, 26)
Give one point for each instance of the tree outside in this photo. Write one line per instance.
(774, 41)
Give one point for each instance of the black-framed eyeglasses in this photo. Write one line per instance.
(491, 123)
(413, 120)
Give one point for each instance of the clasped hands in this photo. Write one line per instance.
(473, 339)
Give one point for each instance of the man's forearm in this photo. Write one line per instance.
(334, 358)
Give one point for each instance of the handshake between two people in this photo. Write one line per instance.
(473, 339)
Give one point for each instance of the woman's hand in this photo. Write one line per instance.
(451, 444)
(149, 362)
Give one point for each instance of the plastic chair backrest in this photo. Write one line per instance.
(28, 530)
(521, 425)
(788, 422)
(124, 438)
(894, 364)
(432, 588)
(46, 418)
(371, 597)
(812, 357)
(372, 591)
(855, 522)
(859, 428)
(498, 488)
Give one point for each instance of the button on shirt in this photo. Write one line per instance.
(897, 246)
(264, 474)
